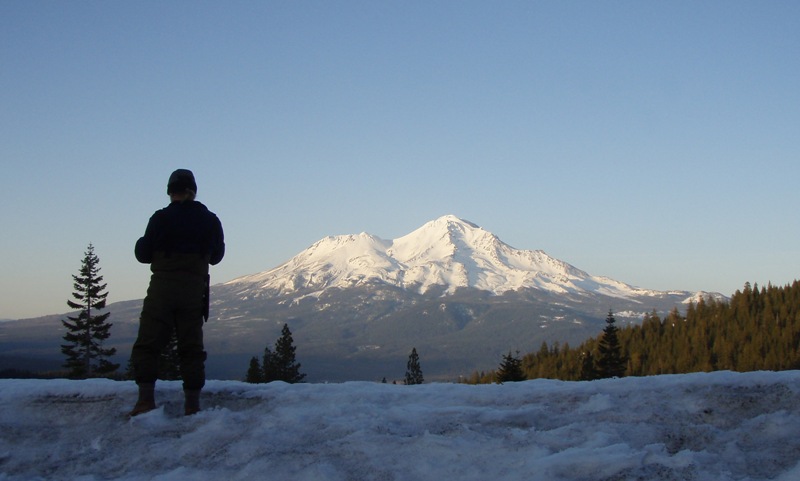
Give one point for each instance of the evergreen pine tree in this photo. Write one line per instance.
(413, 369)
(751, 331)
(610, 362)
(588, 371)
(269, 366)
(254, 373)
(282, 365)
(510, 369)
(285, 350)
(87, 331)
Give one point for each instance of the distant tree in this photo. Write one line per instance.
(282, 365)
(254, 373)
(13, 373)
(87, 331)
(481, 377)
(269, 366)
(413, 369)
(510, 369)
(756, 329)
(610, 361)
(588, 370)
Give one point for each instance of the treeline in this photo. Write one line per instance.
(281, 364)
(758, 329)
(278, 365)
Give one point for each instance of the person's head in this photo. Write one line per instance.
(181, 185)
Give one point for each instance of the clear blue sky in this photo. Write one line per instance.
(657, 143)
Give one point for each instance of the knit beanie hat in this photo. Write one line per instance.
(180, 181)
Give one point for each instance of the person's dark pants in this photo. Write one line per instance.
(172, 304)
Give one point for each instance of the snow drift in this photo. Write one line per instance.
(702, 427)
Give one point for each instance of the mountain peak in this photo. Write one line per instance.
(447, 252)
(438, 239)
(453, 226)
(450, 219)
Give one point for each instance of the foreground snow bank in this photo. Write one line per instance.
(718, 426)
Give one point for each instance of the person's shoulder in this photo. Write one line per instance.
(200, 205)
(196, 204)
(161, 212)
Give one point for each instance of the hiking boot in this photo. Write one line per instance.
(146, 401)
(191, 404)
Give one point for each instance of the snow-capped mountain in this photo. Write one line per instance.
(455, 291)
(447, 253)
(357, 304)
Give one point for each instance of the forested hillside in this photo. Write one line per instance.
(758, 329)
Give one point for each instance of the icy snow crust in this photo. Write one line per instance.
(448, 252)
(702, 427)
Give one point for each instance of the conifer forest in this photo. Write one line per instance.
(757, 329)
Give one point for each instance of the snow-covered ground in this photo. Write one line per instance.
(718, 426)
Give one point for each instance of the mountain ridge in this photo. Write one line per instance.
(446, 252)
(356, 304)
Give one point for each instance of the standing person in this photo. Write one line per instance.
(180, 242)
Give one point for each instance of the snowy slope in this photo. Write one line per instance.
(701, 427)
(448, 252)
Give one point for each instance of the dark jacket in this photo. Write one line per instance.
(184, 237)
